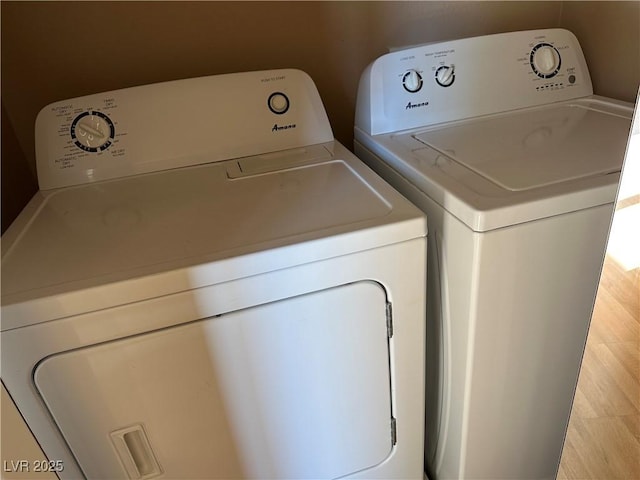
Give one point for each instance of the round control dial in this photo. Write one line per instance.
(545, 60)
(278, 103)
(92, 131)
(445, 75)
(412, 81)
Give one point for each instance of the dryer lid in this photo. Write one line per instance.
(183, 215)
(186, 228)
(527, 150)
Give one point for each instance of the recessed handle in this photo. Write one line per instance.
(135, 452)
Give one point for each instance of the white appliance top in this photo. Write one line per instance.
(511, 138)
(106, 243)
(535, 148)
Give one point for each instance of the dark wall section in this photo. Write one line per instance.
(18, 184)
(609, 33)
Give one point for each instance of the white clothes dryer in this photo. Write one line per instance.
(500, 140)
(208, 285)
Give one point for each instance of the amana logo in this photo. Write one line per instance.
(415, 105)
(277, 128)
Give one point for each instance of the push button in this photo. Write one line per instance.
(278, 103)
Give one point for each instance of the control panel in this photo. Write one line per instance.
(174, 124)
(442, 82)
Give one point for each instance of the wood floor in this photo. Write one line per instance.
(603, 439)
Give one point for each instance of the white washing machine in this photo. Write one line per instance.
(501, 142)
(208, 285)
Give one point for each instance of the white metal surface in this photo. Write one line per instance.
(536, 148)
(489, 75)
(21, 455)
(518, 181)
(523, 173)
(270, 369)
(148, 229)
(174, 124)
(242, 306)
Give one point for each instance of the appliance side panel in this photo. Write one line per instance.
(535, 301)
(450, 275)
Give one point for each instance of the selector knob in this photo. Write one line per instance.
(412, 81)
(92, 131)
(445, 75)
(278, 103)
(545, 60)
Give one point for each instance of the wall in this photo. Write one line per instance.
(609, 33)
(57, 50)
(18, 183)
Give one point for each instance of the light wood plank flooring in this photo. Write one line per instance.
(603, 439)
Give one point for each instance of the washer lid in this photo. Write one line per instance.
(537, 148)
